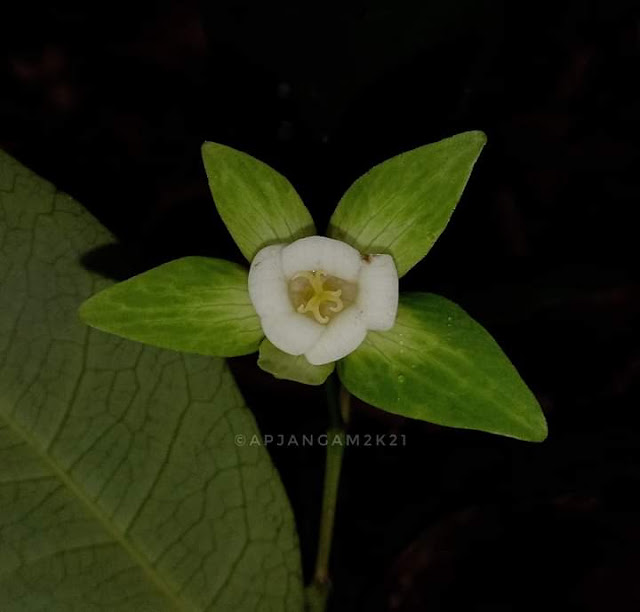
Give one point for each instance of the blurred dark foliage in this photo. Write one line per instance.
(111, 102)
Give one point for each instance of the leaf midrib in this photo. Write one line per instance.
(95, 511)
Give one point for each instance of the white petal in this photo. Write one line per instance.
(292, 333)
(342, 335)
(336, 258)
(268, 286)
(378, 292)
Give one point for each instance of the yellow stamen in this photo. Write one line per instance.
(316, 279)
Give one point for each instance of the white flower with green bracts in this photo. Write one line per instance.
(309, 303)
(318, 297)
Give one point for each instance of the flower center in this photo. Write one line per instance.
(319, 295)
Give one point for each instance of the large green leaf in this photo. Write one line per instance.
(292, 367)
(194, 304)
(258, 205)
(122, 486)
(437, 364)
(402, 205)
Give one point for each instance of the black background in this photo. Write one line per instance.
(111, 102)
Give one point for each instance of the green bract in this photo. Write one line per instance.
(258, 205)
(194, 304)
(297, 368)
(401, 206)
(435, 364)
(439, 365)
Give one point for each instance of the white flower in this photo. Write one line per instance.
(318, 297)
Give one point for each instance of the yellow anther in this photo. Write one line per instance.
(316, 279)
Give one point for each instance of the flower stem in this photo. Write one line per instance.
(338, 400)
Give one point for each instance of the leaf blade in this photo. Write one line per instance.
(120, 477)
(437, 364)
(258, 205)
(401, 206)
(194, 304)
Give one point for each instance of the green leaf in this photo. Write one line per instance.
(122, 486)
(258, 205)
(401, 206)
(194, 304)
(437, 364)
(290, 367)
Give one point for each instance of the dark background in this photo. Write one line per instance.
(111, 102)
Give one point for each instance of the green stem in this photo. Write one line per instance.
(339, 407)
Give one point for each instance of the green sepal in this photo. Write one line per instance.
(291, 367)
(258, 205)
(402, 205)
(194, 304)
(439, 365)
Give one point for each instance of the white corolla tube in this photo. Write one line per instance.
(318, 297)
